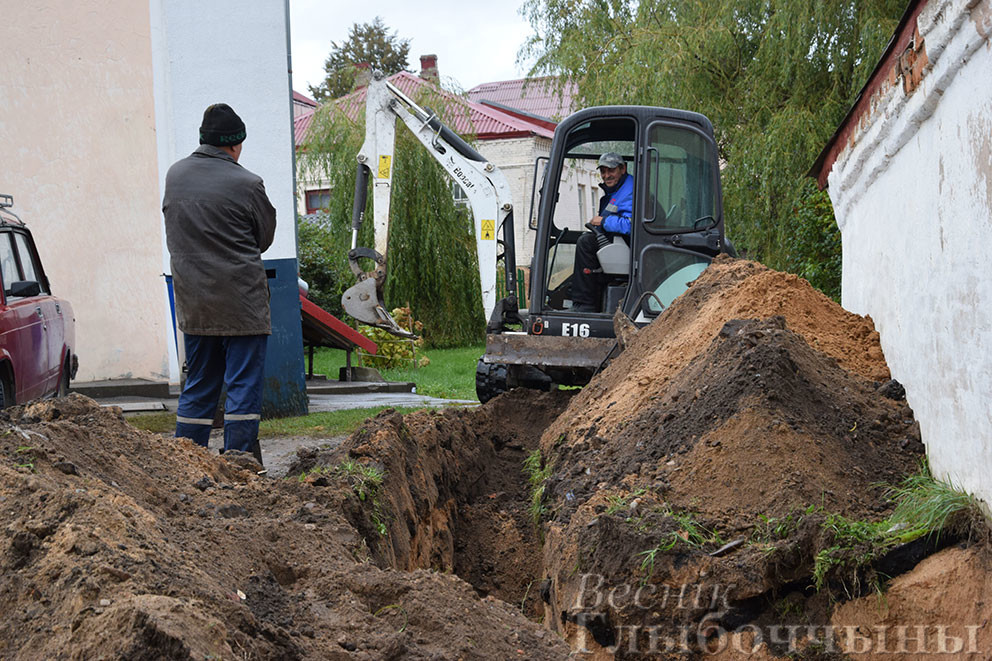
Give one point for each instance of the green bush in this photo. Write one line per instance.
(395, 352)
(814, 245)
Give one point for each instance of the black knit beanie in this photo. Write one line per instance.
(221, 126)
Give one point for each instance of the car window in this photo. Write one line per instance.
(28, 265)
(8, 263)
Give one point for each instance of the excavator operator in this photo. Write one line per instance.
(615, 208)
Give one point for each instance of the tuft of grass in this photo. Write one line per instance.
(856, 544)
(538, 471)
(365, 481)
(689, 532)
(924, 506)
(617, 503)
(927, 506)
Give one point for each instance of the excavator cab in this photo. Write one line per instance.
(677, 227)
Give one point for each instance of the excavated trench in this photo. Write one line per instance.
(457, 498)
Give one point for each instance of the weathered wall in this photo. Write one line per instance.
(912, 192)
(77, 142)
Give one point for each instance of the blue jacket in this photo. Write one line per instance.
(616, 208)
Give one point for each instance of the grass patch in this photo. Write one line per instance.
(450, 374)
(617, 503)
(314, 425)
(538, 471)
(365, 481)
(924, 507)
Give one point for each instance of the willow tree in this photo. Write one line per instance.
(432, 265)
(775, 76)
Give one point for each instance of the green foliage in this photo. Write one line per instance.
(320, 264)
(814, 250)
(365, 481)
(925, 505)
(618, 503)
(432, 264)
(775, 77)
(848, 548)
(366, 43)
(395, 351)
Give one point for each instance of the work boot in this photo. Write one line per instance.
(256, 451)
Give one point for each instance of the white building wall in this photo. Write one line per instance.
(913, 199)
(516, 158)
(225, 51)
(77, 143)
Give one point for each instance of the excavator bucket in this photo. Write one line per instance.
(363, 301)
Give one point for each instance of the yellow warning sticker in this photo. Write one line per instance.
(385, 162)
(488, 230)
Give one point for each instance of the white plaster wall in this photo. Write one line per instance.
(77, 143)
(227, 51)
(913, 197)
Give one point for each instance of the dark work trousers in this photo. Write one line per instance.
(213, 361)
(587, 279)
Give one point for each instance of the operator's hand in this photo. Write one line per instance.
(598, 220)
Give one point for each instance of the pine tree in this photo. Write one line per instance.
(366, 43)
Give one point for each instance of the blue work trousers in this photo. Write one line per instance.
(214, 361)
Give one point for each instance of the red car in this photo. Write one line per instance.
(37, 329)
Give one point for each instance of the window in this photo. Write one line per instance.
(668, 274)
(8, 262)
(458, 195)
(582, 201)
(17, 261)
(681, 179)
(318, 200)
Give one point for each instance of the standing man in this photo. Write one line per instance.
(615, 209)
(218, 222)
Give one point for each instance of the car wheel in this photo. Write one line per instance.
(64, 378)
(6, 394)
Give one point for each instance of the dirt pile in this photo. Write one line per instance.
(123, 544)
(753, 402)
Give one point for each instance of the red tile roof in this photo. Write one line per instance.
(536, 96)
(464, 117)
(301, 124)
(304, 99)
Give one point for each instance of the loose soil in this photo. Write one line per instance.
(678, 513)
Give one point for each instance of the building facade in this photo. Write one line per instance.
(100, 98)
(910, 176)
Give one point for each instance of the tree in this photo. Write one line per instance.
(367, 43)
(775, 76)
(432, 264)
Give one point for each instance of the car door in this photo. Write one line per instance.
(22, 328)
(54, 325)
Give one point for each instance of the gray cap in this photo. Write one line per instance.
(610, 159)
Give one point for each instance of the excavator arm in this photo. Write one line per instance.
(483, 184)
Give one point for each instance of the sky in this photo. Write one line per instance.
(475, 41)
